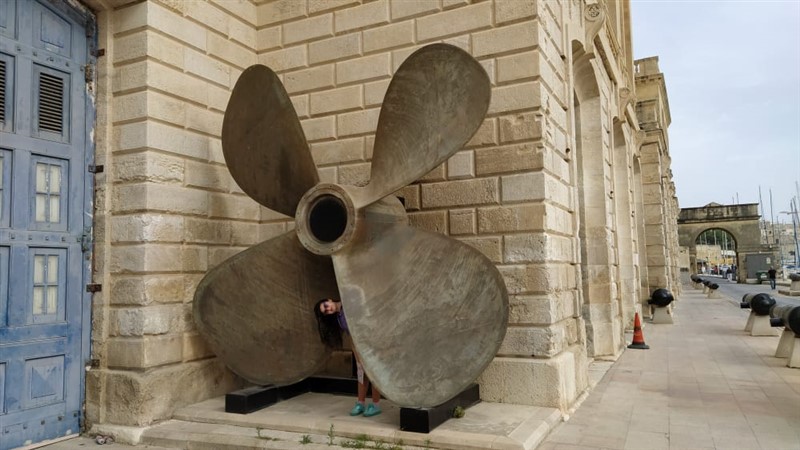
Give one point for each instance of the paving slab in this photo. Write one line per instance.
(704, 383)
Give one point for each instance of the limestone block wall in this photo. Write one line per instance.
(605, 133)
(507, 193)
(658, 191)
(596, 219)
(654, 216)
(167, 209)
(626, 225)
(673, 243)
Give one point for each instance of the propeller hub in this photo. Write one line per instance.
(325, 219)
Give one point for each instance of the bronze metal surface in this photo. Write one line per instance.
(256, 310)
(263, 143)
(427, 313)
(434, 104)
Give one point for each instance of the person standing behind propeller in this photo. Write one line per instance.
(331, 323)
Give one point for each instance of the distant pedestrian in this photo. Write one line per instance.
(729, 274)
(771, 273)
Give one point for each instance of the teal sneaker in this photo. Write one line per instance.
(357, 409)
(372, 410)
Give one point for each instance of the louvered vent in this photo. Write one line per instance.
(2, 92)
(51, 103)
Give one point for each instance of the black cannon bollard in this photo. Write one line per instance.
(745, 303)
(787, 316)
(659, 302)
(712, 290)
(696, 281)
(794, 285)
(758, 323)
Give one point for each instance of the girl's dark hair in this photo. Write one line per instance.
(328, 326)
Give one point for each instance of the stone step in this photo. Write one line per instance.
(206, 425)
(181, 434)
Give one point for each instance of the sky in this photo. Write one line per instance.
(732, 72)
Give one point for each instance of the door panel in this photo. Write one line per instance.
(48, 188)
(43, 205)
(51, 103)
(4, 272)
(6, 92)
(5, 187)
(8, 13)
(51, 32)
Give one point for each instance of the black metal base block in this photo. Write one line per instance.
(247, 400)
(424, 420)
(250, 399)
(293, 390)
(333, 385)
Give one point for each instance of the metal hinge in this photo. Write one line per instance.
(94, 287)
(88, 73)
(95, 169)
(86, 239)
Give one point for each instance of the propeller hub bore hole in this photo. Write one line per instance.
(328, 219)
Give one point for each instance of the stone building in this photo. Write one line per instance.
(566, 186)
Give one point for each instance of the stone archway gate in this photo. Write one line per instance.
(740, 221)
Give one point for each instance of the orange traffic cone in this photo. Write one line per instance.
(638, 337)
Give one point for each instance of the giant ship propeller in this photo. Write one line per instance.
(426, 312)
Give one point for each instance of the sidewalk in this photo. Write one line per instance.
(704, 383)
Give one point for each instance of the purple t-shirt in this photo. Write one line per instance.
(342, 321)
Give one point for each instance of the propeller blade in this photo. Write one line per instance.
(434, 104)
(426, 313)
(263, 142)
(256, 310)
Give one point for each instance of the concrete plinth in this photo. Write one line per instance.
(759, 326)
(794, 358)
(786, 344)
(713, 293)
(794, 289)
(705, 289)
(749, 325)
(662, 315)
(697, 286)
(647, 311)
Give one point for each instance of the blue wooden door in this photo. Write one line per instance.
(43, 214)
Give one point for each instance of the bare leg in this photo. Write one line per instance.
(363, 381)
(375, 408)
(363, 386)
(376, 394)
(362, 391)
